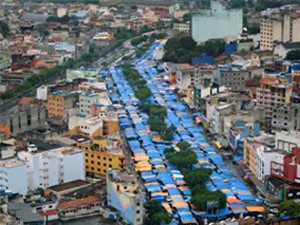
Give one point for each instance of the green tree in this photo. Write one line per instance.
(212, 48)
(289, 208)
(156, 213)
(237, 3)
(293, 55)
(183, 159)
(187, 17)
(183, 145)
(4, 28)
(197, 177)
(201, 197)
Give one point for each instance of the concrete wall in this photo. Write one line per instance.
(18, 121)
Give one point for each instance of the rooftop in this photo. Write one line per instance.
(24, 213)
(291, 45)
(121, 176)
(69, 185)
(9, 163)
(78, 202)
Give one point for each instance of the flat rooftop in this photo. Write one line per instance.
(69, 185)
(9, 163)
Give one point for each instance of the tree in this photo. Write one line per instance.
(156, 213)
(183, 145)
(197, 177)
(293, 55)
(201, 198)
(212, 48)
(4, 28)
(187, 17)
(289, 208)
(237, 3)
(183, 159)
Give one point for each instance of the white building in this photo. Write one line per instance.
(286, 140)
(86, 100)
(13, 176)
(216, 22)
(42, 92)
(81, 73)
(49, 168)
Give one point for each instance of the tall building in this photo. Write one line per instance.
(59, 103)
(124, 194)
(13, 176)
(286, 140)
(49, 168)
(216, 22)
(279, 27)
(103, 153)
(286, 118)
(233, 77)
(273, 93)
(86, 100)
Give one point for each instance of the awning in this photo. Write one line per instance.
(255, 209)
(218, 144)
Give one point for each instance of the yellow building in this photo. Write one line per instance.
(250, 154)
(102, 153)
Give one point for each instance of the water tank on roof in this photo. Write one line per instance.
(32, 148)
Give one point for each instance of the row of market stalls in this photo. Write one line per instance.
(164, 182)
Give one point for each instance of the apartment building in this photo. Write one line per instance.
(73, 74)
(124, 194)
(233, 78)
(83, 207)
(187, 75)
(13, 176)
(221, 105)
(279, 27)
(52, 167)
(286, 140)
(182, 27)
(258, 155)
(105, 123)
(59, 103)
(286, 166)
(273, 93)
(86, 100)
(25, 117)
(103, 153)
(286, 118)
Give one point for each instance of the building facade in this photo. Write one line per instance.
(286, 118)
(273, 93)
(24, 118)
(279, 27)
(49, 168)
(105, 123)
(13, 176)
(103, 153)
(287, 140)
(124, 194)
(86, 100)
(59, 103)
(214, 23)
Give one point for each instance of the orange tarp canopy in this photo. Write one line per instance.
(167, 207)
(255, 209)
(179, 204)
